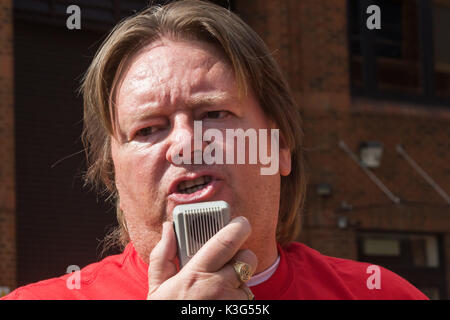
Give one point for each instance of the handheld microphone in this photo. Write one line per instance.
(196, 223)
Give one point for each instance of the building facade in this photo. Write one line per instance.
(376, 106)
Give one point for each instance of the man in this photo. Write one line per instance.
(157, 75)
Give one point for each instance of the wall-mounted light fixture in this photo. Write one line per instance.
(369, 173)
(324, 189)
(342, 222)
(370, 153)
(345, 206)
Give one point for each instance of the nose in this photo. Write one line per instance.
(186, 142)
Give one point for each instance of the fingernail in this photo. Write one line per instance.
(240, 219)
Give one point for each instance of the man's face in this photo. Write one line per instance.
(166, 87)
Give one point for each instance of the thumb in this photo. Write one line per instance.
(163, 257)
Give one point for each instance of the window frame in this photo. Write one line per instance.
(418, 276)
(52, 14)
(369, 87)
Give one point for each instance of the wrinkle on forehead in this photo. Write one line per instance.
(215, 55)
(160, 73)
(154, 69)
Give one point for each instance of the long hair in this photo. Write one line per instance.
(253, 66)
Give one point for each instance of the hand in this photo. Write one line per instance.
(209, 274)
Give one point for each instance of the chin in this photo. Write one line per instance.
(144, 242)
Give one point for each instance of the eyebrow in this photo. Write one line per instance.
(144, 112)
(210, 99)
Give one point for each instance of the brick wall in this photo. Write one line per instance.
(309, 39)
(7, 183)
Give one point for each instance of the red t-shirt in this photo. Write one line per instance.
(303, 273)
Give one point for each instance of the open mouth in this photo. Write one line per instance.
(191, 186)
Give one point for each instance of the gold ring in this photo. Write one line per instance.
(249, 292)
(243, 271)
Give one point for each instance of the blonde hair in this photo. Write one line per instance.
(252, 64)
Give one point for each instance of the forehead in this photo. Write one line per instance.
(165, 66)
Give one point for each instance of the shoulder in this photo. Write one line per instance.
(62, 288)
(364, 280)
(50, 289)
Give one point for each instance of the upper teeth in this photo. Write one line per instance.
(196, 183)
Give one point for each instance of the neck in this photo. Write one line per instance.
(266, 253)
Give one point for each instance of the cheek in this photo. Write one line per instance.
(135, 177)
(262, 188)
(258, 199)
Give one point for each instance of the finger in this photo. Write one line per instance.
(162, 265)
(248, 292)
(241, 293)
(221, 247)
(228, 272)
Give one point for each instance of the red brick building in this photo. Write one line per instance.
(378, 91)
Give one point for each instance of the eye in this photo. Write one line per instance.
(144, 132)
(219, 114)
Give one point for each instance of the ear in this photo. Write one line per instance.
(285, 157)
(285, 153)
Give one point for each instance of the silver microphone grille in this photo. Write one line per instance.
(196, 223)
(201, 224)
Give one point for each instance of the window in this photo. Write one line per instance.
(415, 257)
(408, 58)
(441, 27)
(100, 15)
